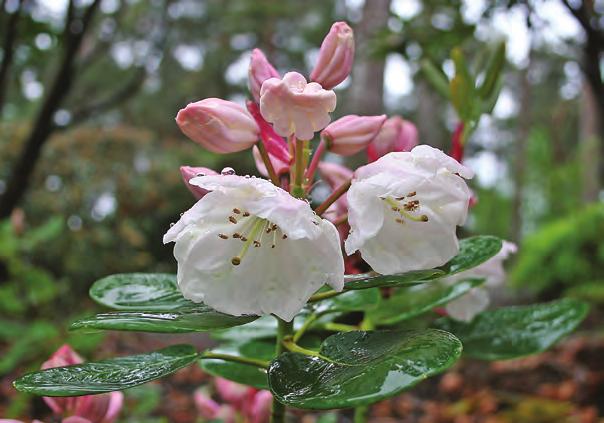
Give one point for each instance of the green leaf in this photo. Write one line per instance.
(473, 251)
(237, 372)
(512, 332)
(139, 291)
(196, 318)
(361, 367)
(412, 301)
(357, 300)
(264, 327)
(493, 71)
(115, 374)
(436, 77)
(462, 87)
(372, 280)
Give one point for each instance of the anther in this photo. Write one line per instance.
(223, 236)
(232, 220)
(284, 236)
(424, 218)
(236, 235)
(236, 211)
(244, 239)
(398, 220)
(236, 261)
(412, 194)
(246, 214)
(257, 244)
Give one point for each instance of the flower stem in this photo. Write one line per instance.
(324, 295)
(307, 323)
(267, 162)
(297, 190)
(284, 329)
(234, 358)
(339, 327)
(316, 158)
(360, 414)
(333, 197)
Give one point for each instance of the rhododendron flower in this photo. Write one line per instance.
(189, 172)
(404, 209)
(395, 135)
(351, 134)
(102, 408)
(259, 71)
(249, 247)
(467, 306)
(296, 107)
(218, 125)
(335, 57)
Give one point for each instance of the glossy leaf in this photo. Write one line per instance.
(412, 301)
(512, 332)
(197, 318)
(237, 372)
(263, 328)
(357, 300)
(473, 251)
(361, 367)
(115, 374)
(139, 291)
(372, 280)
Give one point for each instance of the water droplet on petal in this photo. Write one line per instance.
(200, 174)
(227, 171)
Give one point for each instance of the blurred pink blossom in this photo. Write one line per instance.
(396, 135)
(351, 134)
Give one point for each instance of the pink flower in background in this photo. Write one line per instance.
(218, 125)
(351, 134)
(395, 135)
(241, 403)
(259, 71)
(335, 57)
(189, 172)
(296, 107)
(102, 408)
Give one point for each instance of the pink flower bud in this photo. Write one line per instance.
(335, 57)
(234, 393)
(89, 408)
(296, 107)
(218, 125)
(261, 407)
(260, 70)
(351, 134)
(396, 135)
(189, 172)
(279, 166)
(275, 144)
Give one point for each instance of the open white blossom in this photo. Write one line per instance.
(404, 209)
(477, 300)
(249, 247)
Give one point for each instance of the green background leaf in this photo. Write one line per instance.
(196, 318)
(472, 252)
(364, 367)
(110, 375)
(371, 280)
(412, 301)
(512, 332)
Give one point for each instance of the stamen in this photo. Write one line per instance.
(257, 227)
(406, 209)
(223, 236)
(236, 261)
(236, 211)
(284, 236)
(246, 214)
(232, 220)
(412, 194)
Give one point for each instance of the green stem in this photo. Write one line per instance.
(284, 329)
(267, 162)
(297, 190)
(307, 323)
(360, 414)
(324, 295)
(237, 359)
(339, 327)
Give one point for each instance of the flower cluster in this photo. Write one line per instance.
(256, 246)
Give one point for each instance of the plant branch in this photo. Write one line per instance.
(284, 329)
(267, 162)
(333, 197)
(236, 359)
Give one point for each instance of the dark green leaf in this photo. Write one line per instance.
(139, 291)
(513, 332)
(110, 375)
(241, 373)
(372, 280)
(493, 71)
(361, 367)
(412, 301)
(357, 300)
(472, 252)
(197, 318)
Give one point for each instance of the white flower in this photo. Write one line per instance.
(248, 247)
(296, 107)
(404, 209)
(476, 300)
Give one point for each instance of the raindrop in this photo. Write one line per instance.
(227, 171)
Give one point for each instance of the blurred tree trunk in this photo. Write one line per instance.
(429, 125)
(8, 49)
(519, 164)
(75, 29)
(589, 145)
(367, 90)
